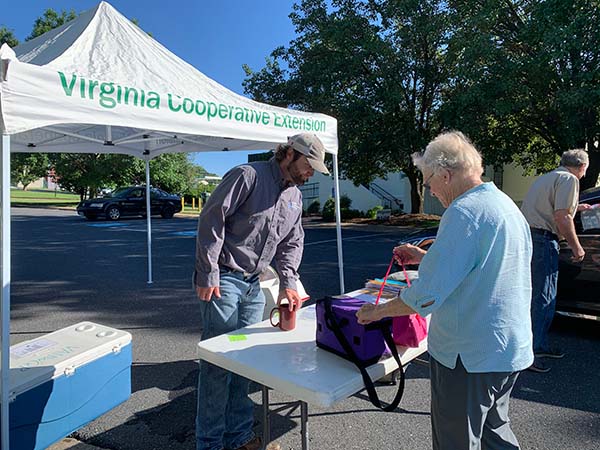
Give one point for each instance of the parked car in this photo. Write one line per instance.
(130, 201)
(578, 283)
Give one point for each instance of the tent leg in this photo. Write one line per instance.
(338, 222)
(5, 332)
(148, 222)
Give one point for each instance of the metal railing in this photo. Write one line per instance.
(388, 200)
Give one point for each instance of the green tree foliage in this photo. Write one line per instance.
(85, 174)
(377, 66)
(520, 77)
(174, 172)
(7, 37)
(25, 168)
(526, 84)
(50, 20)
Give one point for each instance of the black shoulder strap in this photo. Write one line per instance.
(332, 323)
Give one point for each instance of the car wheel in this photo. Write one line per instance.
(167, 212)
(91, 216)
(113, 213)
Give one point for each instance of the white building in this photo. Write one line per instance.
(391, 193)
(510, 179)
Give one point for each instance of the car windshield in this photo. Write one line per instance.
(121, 192)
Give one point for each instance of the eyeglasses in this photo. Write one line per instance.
(426, 182)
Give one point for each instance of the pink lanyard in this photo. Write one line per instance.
(386, 275)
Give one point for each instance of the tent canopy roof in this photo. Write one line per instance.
(99, 84)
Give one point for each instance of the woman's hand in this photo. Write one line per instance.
(408, 254)
(368, 313)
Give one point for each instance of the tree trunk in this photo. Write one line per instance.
(416, 203)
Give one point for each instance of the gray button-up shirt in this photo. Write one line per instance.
(250, 218)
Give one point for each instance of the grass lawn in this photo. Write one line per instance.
(42, 197)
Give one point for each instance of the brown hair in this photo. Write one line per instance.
(281, 152)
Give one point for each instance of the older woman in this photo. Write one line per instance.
(475, 281)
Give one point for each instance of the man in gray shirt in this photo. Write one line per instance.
(549, 207)
(253, 217)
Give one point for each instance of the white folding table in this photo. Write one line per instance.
(291, 362)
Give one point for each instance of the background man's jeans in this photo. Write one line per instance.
(544, 277)
(225, 414)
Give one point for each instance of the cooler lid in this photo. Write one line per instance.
(52, 355)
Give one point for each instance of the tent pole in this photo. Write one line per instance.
(148, 221)
(5, 239)
(338, 222)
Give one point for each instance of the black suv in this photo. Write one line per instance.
(578, 282)
(130, 201)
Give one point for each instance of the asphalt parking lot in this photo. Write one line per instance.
(66, 270)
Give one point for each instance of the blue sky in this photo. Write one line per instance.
(215, 36)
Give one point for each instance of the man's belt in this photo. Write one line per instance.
(545, 233)
(248, 277)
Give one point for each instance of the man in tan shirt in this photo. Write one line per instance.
(549, 207)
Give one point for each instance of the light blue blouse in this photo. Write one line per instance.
(477, 278)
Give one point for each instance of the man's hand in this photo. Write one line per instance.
(408, 254)
(291, 295)
(206, 293)
(583, 207)
(367, 313)
(578, 254)
(566, 227)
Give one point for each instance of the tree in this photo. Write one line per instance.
(85, 174)
(527, 80)
(7, 37)
(50, 20)
(25, 168)
(377, 66)
(174, 172)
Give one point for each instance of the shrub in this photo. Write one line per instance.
(329, 210)
(345, 202)
(314, 208)
(345, 211)
(351, 214)
(372, 213)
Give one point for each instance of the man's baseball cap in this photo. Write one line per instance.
(311, 147)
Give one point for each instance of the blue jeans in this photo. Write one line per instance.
(544, 279)
(225, 413)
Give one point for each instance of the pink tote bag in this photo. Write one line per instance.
(409, 331)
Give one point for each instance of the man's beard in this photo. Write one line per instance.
(295, 174)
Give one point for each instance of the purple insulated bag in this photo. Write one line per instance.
(338, 331)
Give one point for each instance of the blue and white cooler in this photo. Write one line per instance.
(63, 380)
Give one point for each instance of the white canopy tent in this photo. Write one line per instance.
(99, 84)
